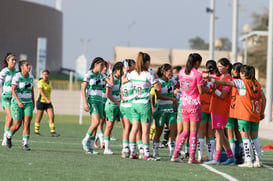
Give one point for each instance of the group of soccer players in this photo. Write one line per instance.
(223, 101)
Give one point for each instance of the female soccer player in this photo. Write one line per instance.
(191, 85)
(44, 104)
(6, 75)
(251, 105)
(22, 103)
(112, 105)
(92, 97)
(219, 108)
(164, 113)
(205, 129)
(126, 107)
(142, 81)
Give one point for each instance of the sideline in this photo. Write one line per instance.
(226, 176)
(268, 167)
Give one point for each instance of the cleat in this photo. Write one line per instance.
(229, 161)
(54, 134)
(187, 155)
(141, 155)
(102, 145)
(25, 148)
(156, 157)
(132, 156)
(37, 134)
(149, 158)
(212, 162)
(246, 165)
(92, 152)
(178, 160)
(86, 145)
(125, 155)
(194, 161)
(108, 152)
(4, 142)
(96, 144)
(8, 141)
(257, 164)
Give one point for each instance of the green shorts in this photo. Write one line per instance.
(247, 126)
(126, 112)
(205, 117)
(162, 118)
(112, 112)
(179, 115)
(232, 123)
(95, 107)
(5, 101)
(19, 113)
(142, 112)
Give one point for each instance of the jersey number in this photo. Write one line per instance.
(184, 85)
(255, 106)
(137, 91)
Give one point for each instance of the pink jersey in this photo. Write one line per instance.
(190, 97)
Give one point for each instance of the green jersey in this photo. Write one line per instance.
(115, 90)
(24, 87)
(5, 81)
(127, 92)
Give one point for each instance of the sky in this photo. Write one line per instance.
(95, 27)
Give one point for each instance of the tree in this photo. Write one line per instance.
(198, 43)
(226, 44)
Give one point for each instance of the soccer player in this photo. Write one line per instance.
(44, 104)
(191, 85)
(6, 75)
(112, 105)
(251, 105)
(219, 108)
(164, 113)
(22, 103)
(126, 107)
(205, 129)
(142, 81)
(92, 97)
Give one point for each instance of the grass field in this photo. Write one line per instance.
(62, 158)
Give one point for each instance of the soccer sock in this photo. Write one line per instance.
(52, 127)
(187, 147)
(36, 127)
(193, 143)
(146, 149)
(140, 146)
(125, 146)
(166, 133)
(106, 142)
(180, 142)
(247, 149)
(100, 136)
(256, 148)
(241, 145)
(232, 145)
(132, 146)
(171, 145)
(229, 153)
(200, 145)
(217, 155)
(9, 133)
(92, 140)
(211, 147)
(25, 139)
(87, 136)
(155, 147)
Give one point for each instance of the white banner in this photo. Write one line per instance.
(41, 56)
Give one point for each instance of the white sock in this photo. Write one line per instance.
(146, 149)
(106, 144)
(155, 148)
(25, 141)
(241, 145)
(256, 148)
(200, 147)
(100, 136)
(232, 147)
(211, 148)
(247, 150)
(132, 147)
(125, 147)
(171, 145)
(86, 138)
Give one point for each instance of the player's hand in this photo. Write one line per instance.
(20, 104)
(262, 116)
(86, 107)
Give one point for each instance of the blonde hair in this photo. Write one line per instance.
(142, 58)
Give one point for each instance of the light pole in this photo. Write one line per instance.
(246, 30)
(211, 10)
(129, 32)
(235, 30)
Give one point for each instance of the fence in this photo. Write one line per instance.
(64, 85)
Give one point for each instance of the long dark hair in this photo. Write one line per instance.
(130, 62)
(6, 58)
(163, 68)
(225, 62)
(249, 74)
(21, 63)
(118, 66)
(95, 61)
(211, 66)
(237, 68)
(142, 58)
(192, 59)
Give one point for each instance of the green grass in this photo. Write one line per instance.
(62, 158)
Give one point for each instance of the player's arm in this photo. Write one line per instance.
(110, 96)
(14, 94)
(84, 86)
(263, 103)
(43, 95)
